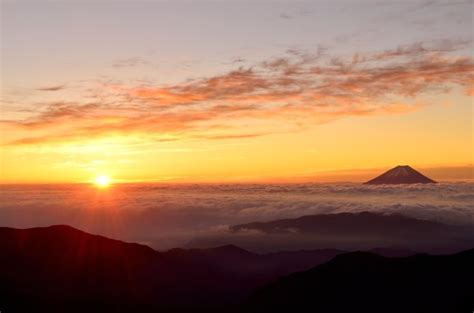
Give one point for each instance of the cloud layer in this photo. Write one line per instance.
(166, 216)
(300, 89)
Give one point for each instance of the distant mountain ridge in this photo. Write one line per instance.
(361, 222)
(402, 174)
(363, 230)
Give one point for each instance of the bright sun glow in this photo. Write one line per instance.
(102, 181)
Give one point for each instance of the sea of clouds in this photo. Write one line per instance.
(166, 216)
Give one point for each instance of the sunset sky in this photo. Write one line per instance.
(235, 91)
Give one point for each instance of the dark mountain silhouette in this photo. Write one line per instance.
(392, 252)
(402, 174)
(365, 282)
(366, 229)
(260, 268)
(62, 269)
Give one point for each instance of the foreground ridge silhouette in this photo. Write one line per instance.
(369, 283)
(62, 269)
(402, 174)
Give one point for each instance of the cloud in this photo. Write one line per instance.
(306, 88)
(470, 91)
(159, 214)
(285, 16)
(236, 60)
(309, 79)
(129, 62)
(236, 136)
(52, 88)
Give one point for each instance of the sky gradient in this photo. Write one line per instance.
(235, 91)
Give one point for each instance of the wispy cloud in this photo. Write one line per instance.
(317, 81)
(52, 88)
(129, 62)
(305, 88)
(285, 16)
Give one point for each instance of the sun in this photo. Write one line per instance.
(102, 181)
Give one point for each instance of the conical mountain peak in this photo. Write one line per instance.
(401, 174)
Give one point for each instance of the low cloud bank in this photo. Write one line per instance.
(166, 216)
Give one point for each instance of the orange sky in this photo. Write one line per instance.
(297, 106)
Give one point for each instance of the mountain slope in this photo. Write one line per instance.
(402, 174)
(365, 282)
(261, 268)
(62, 268)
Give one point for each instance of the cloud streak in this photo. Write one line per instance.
(129, 62)
(52, 88)
(306, 88)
